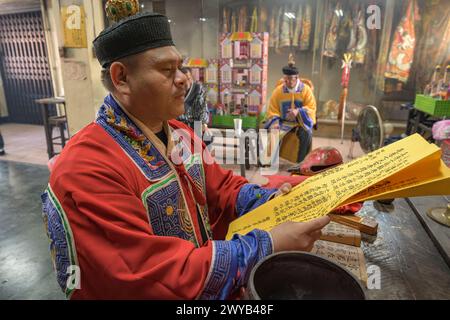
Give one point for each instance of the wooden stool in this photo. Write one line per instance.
(51, 122)
(58, 122)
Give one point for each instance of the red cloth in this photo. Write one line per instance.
(100, 188)
(349, 208)
(276, 181)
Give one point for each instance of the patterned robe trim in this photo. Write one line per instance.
(165, 211)
(164, 201)
(136, 145)
(287, 126)
(62, 244)
(252, 196)
(195, 169)
(306, 122)
(227, 274)
(169, 211)
(299, 88)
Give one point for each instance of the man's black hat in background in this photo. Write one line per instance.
(290, 69)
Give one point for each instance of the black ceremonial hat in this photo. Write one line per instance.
(290, 69)
(131, 35)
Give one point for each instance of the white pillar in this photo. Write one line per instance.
(78, 67)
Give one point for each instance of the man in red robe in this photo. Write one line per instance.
(134, 208)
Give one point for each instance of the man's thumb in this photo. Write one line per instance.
(316, 224)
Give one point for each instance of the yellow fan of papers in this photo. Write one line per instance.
(408, 168)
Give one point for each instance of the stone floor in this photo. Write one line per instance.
(24, 143)
(25, 264)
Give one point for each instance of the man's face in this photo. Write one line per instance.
(291, 81)
(157, 86)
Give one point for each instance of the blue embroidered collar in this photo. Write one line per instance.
(127, 134)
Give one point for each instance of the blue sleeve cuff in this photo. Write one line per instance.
(269, 122)
(307, 121)
(252, 196)
(233, 261)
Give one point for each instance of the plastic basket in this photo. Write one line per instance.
(438, 108)
(227, 121)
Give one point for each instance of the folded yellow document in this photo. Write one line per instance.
(407, 168)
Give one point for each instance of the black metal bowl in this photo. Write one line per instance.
(295, 275)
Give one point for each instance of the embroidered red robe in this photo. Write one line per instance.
(127, 221)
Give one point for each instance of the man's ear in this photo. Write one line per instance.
(120, 77)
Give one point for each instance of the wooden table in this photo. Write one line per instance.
(45, 104)
(244, 144)
(411, 265)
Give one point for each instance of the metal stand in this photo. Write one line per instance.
(343, 123)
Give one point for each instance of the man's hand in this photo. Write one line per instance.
(275, 126)
(292, 236)
(301, 236)
(292, 114)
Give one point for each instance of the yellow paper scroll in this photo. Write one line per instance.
(409, 167)
(431, 180)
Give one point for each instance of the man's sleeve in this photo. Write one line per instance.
(274, 108)
(232, 262)
(229, 196)
(309, 103)
(273, 114)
